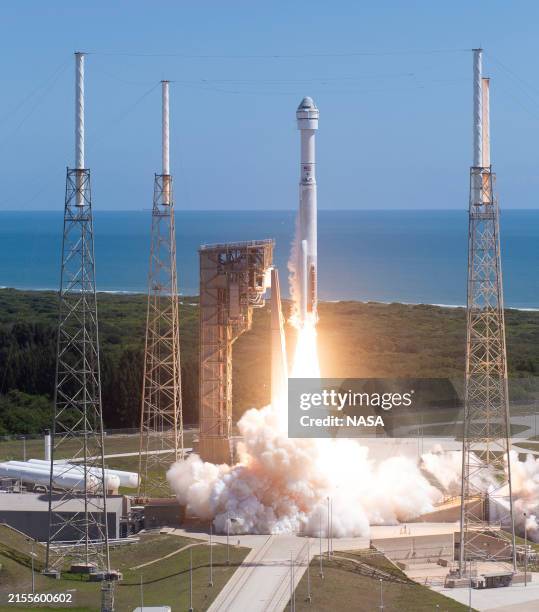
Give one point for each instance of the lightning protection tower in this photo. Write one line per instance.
(77, 431)
(486, 510)
(161, 428)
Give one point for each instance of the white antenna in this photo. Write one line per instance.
(79, 111)
(477, 108)
(166, 144)
(485, 91)
(166, 129)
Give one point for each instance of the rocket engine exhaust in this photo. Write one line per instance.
(306, 266)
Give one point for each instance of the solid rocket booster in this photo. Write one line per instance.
(307, 117)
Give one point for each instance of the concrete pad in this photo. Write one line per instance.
(511, 599)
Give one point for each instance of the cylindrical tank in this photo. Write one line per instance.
(112, 481)
(68, 480)
(127, 479)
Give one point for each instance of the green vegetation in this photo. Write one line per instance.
(165, 579)
(357, 579)
(356, 340)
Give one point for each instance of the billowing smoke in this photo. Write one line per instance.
(525, 483)
(446, 468)
(282, 485)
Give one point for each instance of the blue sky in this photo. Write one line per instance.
(392, 81)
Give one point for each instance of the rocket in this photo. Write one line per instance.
(306, 269)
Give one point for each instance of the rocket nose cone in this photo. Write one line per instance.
(306, 104)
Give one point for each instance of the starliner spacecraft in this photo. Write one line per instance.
(306, 271)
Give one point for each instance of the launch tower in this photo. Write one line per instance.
(233, 280)
(161, 428)
(486, 474)
(77, 429)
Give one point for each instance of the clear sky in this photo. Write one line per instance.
(392, 81)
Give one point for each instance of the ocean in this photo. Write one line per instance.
(417, 256)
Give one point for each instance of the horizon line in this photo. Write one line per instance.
(198, 210)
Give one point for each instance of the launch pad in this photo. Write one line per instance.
(233, 280)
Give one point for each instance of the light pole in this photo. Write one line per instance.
(227, 539)
(211, 556)
(320, 533)
(33, 573)
(470, 589)
(525, 552)
(190, 580)
(292, 590)
(24, 448)
(141, 593)
(331, 524)
(309, 598)
(381, 595)
(328, 528)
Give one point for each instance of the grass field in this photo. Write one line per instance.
(13, 450)
(349, 586)
(165, 581)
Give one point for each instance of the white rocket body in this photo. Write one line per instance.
(307, 272)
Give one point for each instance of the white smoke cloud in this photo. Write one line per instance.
(446, 467)
(525, 484)
(281, 485)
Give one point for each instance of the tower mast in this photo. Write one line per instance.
(161, 427)
(487, 505)
(77, 429)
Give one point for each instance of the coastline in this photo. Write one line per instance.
(185, 296)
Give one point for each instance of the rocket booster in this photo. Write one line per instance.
(307, 272)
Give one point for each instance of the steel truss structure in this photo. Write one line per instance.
(77, 430)
(161, 431)
(487, 507)
(233, 280)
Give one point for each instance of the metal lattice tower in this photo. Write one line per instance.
(77, 432)
(161, 429)
(486, 475)
(233, 280)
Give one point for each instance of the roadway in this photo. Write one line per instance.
(262, 582)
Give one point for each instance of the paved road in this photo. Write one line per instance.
(262, 582)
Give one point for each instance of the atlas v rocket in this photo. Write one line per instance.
(306, 271)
